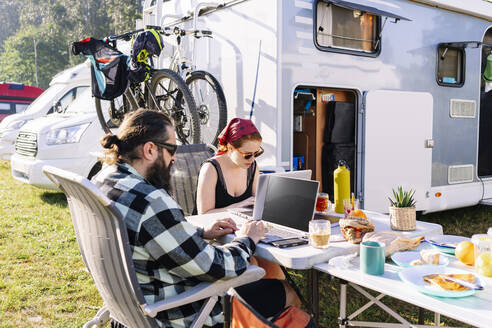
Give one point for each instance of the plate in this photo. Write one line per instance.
(446, 243)
(404, 259)
(414, 276)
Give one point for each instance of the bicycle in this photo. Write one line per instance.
(205, 88)
(160, 89)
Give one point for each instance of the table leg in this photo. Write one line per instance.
(227, 305)
(313, 295)
(437, 319)
(343, 304)
(421, 316)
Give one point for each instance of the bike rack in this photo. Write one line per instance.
(196, 12)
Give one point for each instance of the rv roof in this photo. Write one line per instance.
(477, 8)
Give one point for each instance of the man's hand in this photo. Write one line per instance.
(252, 229)
(219, 228)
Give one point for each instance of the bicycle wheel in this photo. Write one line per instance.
(210, 104)
(110, 113)
(173, 97)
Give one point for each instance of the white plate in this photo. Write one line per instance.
(446, 243)
(404, 259)
(414, 276)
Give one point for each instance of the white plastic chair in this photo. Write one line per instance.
(103, 243)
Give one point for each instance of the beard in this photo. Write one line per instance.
(159, 174)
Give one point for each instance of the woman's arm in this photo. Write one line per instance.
(255, 179)
(205, 193)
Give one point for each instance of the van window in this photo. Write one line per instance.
(20, 107)
(68, 98)
(346, 30)
(45, 99)
(5, 108)
(450, 66)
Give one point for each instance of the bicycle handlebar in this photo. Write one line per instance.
(167, 31)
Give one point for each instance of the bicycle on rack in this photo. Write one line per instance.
(205, 88)
(122, 84)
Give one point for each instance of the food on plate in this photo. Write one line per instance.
(440, 281)
(354, 228)
(465, 252)
(429, 256)
(394, 241)
(358, 214)
(484, 264)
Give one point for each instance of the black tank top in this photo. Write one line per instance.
(222, 197)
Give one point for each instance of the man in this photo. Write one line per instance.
(170, 255)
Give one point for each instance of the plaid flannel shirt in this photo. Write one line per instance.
(169, 253)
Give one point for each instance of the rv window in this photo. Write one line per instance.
(346, 30)
(450, 66)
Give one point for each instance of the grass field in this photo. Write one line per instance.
(42, 277)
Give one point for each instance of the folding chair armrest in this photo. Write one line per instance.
(204, 290)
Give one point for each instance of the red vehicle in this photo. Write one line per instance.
(15, 97)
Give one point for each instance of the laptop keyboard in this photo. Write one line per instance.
(274, 231)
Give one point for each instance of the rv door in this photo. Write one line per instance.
(398, 146)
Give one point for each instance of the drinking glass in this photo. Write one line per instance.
(319, 233)
(348, 206)
(322, 202)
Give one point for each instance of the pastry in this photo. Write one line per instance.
(439, 281)
(394, 241)
(429, 256)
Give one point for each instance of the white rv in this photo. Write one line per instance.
(68, 140)
(64, 88)
(393, 87)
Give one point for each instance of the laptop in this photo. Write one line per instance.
(247, 212)
(285, 204)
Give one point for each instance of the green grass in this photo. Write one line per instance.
(42, 277)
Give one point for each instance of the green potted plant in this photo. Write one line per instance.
(402, 210)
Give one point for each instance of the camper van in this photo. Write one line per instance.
(64, 88)
(15, 97)
(395, 88)
(68, 140)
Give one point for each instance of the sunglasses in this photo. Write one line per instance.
(171, 148)
(249, 155)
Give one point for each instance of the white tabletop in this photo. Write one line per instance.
(305, 257)
(475, 310)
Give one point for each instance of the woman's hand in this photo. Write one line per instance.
(248, 202)
(219, 228)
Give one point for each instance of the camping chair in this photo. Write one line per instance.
(184, 178)
(103, 243)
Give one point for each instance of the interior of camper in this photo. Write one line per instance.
(325, 133)
(485, 130)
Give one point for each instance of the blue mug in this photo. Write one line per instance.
(372, 257)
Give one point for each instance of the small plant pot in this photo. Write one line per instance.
(403, 218)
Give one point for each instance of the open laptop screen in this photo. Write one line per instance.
(290, 202)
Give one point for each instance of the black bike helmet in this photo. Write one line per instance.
(148, 43)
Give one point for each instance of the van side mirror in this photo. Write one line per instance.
(57, 107)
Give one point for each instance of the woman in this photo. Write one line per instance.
(233, 172)
(228, 180)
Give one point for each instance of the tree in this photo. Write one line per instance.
(9, 16)
(17, 61)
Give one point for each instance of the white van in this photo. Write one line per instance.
(64, 88)
(68, 140)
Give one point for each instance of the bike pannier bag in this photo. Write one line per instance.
(109, 69)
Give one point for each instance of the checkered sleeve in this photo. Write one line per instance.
(177, 245)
